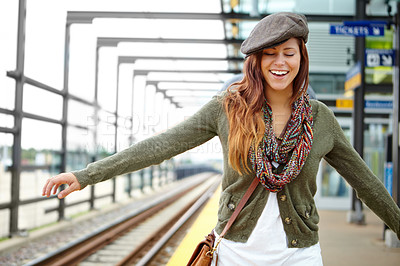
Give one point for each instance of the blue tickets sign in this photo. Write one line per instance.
(379, 57)
(357, 30)
(360, 28)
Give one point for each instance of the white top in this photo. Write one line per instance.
(267, 244)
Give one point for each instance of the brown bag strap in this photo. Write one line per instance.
(240, 206)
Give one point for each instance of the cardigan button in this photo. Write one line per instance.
(231, 206)
(294, 243)
(283, 197)
(288, 220)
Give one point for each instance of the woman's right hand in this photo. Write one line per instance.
(53, 183)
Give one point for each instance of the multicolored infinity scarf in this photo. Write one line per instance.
(297, 141)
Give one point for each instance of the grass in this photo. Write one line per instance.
(41, 227)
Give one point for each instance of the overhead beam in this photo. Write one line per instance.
(144, 72)
(132, 59)
(114, 41)
(87, 17)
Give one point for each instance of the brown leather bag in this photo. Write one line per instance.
(202, 255)
(205, 250)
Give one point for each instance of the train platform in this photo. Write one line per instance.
(341, 243)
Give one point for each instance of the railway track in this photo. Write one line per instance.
(137, 237)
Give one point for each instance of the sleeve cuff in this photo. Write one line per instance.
(82, 176)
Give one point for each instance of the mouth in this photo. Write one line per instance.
(279, 73)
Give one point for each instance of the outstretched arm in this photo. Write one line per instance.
(368, 187)
(190, 133)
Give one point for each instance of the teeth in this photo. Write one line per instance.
(279, 72)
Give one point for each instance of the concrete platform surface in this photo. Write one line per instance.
(352, 245)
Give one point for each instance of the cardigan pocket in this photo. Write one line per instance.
(309, 215)
(227, 205)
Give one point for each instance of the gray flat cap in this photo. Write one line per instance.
(275, 29)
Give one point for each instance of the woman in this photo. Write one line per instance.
(270, 130)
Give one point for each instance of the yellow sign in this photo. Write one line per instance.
(344, 103)
(353, 82)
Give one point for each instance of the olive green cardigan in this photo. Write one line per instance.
(296, 200)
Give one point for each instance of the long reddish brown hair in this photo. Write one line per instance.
(243, 103)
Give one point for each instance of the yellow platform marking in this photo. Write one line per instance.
(203, 225)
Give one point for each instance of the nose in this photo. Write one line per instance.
(280, 60)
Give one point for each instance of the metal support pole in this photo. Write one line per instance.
(142, 180)
(96, 123)
(19, 86)
(131, 137)
(356, 214)
(114, 180)
(396, 113)
(159, 168)
(144, 107)
(151, 176)
(92, 195)
(390, 237)
(64, 152)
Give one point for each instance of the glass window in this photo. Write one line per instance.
(77, 159)
(81, 114)
(333, 185)
(124, 139)
(79, 139)
(7, 99)
(107, 79)
(380, 8)
(105, 138)
(374, 148)
(320, 7)
(79, 143)
(44, 43)
(125, 88)
(32, 180)
(327, 84)
(6, 141)
(82, 61)
(41, 102)
(5, 223)
(8, 51)
(6, 120)
(43, 147)
(40, 135)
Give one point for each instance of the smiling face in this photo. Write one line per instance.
(280, 65)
